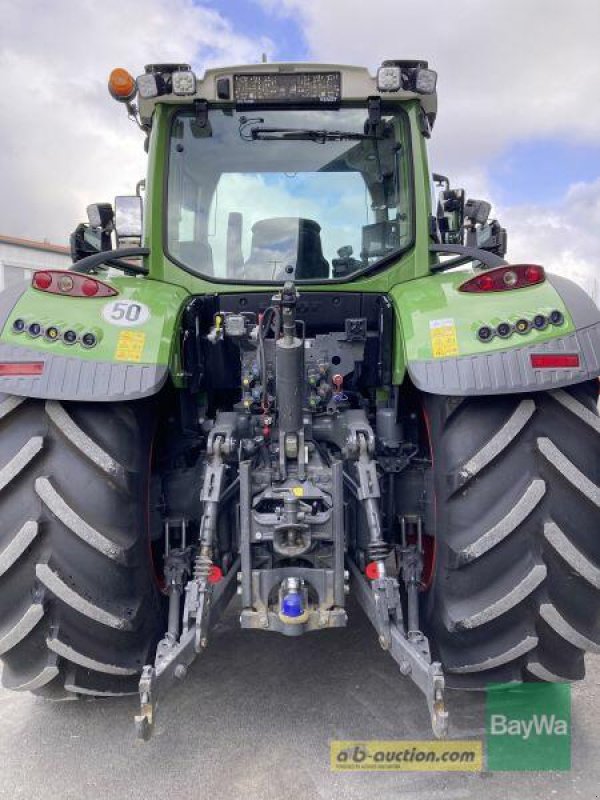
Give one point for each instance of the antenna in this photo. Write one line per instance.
(264, 58)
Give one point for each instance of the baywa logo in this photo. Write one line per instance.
(501, 725)
(529, 727)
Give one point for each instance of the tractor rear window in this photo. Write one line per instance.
(272, 194)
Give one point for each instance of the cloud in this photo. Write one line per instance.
(63, 142)
(507, 71)
(564, 239)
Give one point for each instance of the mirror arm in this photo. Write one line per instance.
(113, 258)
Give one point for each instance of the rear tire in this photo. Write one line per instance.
(80, 611)
(516, 587)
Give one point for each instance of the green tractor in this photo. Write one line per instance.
(299, 379)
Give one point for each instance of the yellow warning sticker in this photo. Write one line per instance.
(298, 491)
(130, 346)
(444, 342)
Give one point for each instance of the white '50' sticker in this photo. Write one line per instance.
(126, 313)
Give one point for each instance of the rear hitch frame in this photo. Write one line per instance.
(173, 658)
(380, 601)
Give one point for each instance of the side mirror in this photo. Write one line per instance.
(477, 212)
(101, 215)
(482, 232)
(493, 237)
(95, 235)
(451, 215)
(128, 220)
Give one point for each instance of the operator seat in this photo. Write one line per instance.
(197, 255)
(286, 247)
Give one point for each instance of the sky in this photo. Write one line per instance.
(519, 110)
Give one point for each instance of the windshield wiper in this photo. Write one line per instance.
(306, 134)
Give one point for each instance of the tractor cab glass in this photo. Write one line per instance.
(268, 195)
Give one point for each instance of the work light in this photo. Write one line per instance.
(183, 82)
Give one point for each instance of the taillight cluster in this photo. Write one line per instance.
(501, 279)
(70, 284)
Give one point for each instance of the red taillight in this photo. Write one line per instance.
(70, 284)
(554, 360)
(499, 279)
(89, 287)
(16, 368)
(534, 274)
(42, 280)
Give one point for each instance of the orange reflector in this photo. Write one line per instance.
(8, 368)
(554, 361)
(121, 85)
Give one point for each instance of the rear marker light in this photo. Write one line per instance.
(485, 283)
(554, 361)
(534, 274)
(522, 326)
(499, 279)
(52, 333)
(540, 321)
(557, 317)
(16, 368)
(89, 287)
(42, 280)
(19, 325)
(69, 337)
(88, 340)
(34, 329)
(504, 330)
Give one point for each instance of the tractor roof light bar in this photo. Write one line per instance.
(275, 84)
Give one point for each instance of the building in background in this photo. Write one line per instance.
(20, 257)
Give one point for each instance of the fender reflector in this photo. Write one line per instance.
(16, 368)
(554, 360)
(215, 574)
(372, 571)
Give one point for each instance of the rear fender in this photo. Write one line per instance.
(437, 341)
(135, 332)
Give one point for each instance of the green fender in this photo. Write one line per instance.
(437, 343)
(136, 343)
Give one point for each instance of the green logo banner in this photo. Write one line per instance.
(528, 727)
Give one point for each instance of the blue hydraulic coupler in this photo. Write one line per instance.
(291, 605)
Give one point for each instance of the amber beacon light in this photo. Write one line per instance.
(122, 85)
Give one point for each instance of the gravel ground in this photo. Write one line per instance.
(253, 720)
